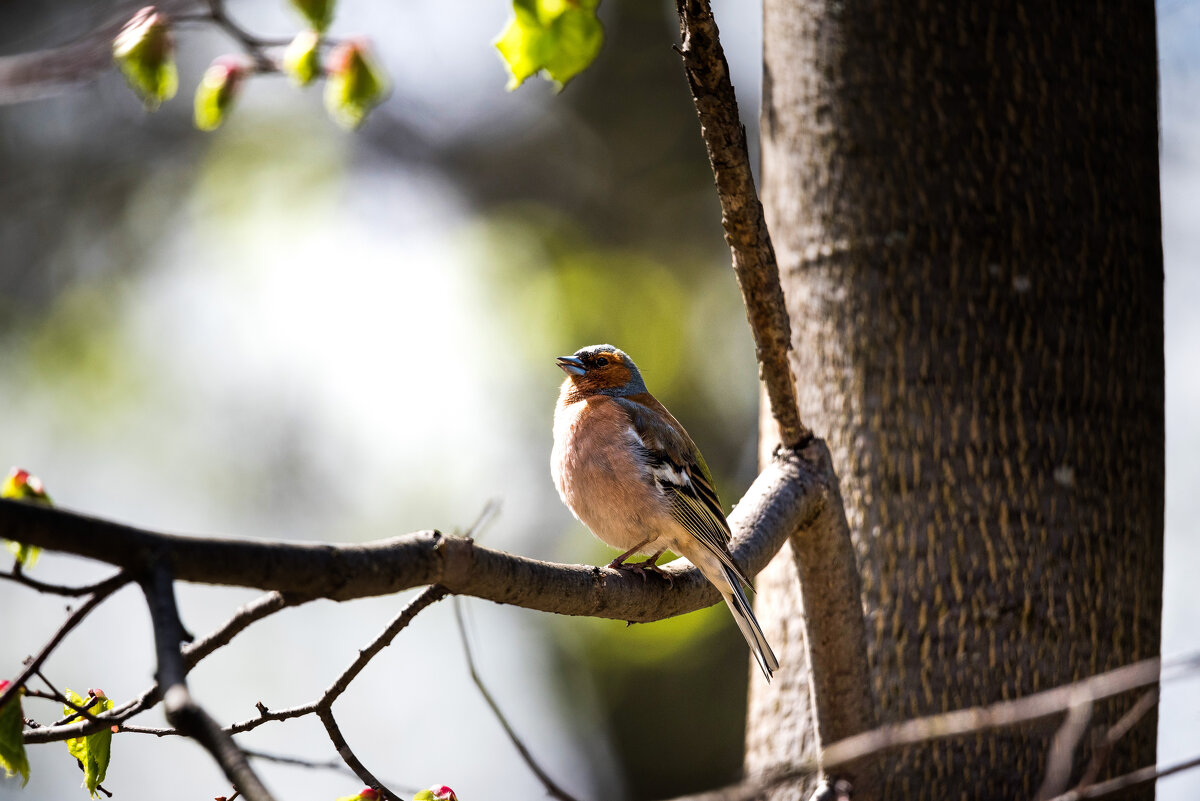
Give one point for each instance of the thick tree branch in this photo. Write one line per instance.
(785, 497)
(741, 212)
(182, 712)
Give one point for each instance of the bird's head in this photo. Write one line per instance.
(601, 370)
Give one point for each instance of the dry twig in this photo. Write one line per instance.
(552, 788)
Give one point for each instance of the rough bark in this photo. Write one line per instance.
(785, 498)
(964, 205)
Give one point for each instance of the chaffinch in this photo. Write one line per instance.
(628, 471)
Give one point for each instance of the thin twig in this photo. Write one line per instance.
(1061, 757)
(254, 611)
(970, 721)
(998, 715)
(102, 592)
(254, 46)
(21, 577)
(267, 716)
(299, 762)
(349, 757)
(552, 789)
(428, 597)
(43, 73)
(1144, 775)
(1119, 729)
(336, 765)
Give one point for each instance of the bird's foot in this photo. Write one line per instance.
(642, 568)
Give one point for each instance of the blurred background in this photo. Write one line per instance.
(281, 330)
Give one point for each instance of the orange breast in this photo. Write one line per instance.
(600, 474)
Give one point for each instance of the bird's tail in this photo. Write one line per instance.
(743, 614)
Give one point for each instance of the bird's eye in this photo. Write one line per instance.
(601, 362)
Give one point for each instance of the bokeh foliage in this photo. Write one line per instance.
(594, 220)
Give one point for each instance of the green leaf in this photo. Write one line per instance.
(355, 85)
(25, 554)
(20, 485)
(145, 52)
(366, 794)
(12, 740)
(217, 91)
(559, 37)
(319, 13)
(302, 58)
(438, 792)
(92, 751)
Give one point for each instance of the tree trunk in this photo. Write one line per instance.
(964, 203)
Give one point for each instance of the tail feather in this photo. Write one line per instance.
(743, 615)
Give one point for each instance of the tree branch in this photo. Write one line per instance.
(741, 213)
(1118, 730)
(976, 720)
(1150, 773)
(830, 585)
(182, 712)
(785, 497)
(192, 654)
(1002, 714)
(349, 757)
(103, 590)
(20, 577)
(1061, 756)
(44, 73)
(552, 789)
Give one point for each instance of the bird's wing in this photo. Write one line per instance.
(679, 470)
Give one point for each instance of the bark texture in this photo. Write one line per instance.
(964, 204)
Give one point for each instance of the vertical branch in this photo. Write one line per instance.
(741, 213)
(830, 586)
(182, 712)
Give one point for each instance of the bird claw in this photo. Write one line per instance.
(642, 568)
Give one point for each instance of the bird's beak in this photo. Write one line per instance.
(570, 365)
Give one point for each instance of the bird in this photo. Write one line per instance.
(628, 471)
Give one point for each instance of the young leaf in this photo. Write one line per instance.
(319, 13)
(92, 751)
(366, 794)
(302, 58)
(355, 84)
(145, 52)
(217, 91)
(20, 485)
(560, 37)
(12, 740)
